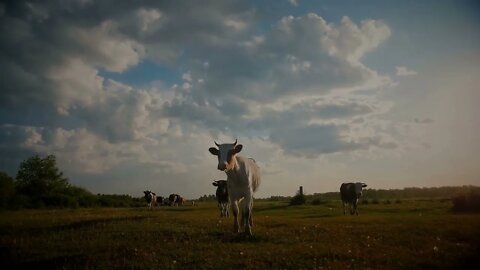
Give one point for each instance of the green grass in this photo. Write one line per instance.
(410, 235)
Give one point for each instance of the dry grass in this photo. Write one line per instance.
(411, 235)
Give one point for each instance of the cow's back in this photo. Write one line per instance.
(251, 168)
(347, 192)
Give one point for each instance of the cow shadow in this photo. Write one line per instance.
(178, 209)
(321, 216)
(229, 237)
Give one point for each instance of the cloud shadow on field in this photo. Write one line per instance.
(320, 216)
(60, 262)
(276, 207)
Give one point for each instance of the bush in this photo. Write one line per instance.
(398, 201)
(364, 201)
(375, 201)
(19, 202)
(87, 201)
(298, 199)
(60, 200)
(318, 201)
(388, 202)
(469, 202)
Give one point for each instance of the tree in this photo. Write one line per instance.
(7, 189)
(39, 178)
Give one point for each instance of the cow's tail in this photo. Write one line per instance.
(256, 176)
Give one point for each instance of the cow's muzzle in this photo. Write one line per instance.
(222, 167)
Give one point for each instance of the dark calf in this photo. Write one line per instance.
(222, 197)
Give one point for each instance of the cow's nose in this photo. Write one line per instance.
(221, 167)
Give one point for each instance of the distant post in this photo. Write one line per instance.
(301, 190)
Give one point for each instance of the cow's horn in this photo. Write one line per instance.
(216, 144)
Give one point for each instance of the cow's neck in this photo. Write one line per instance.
(232, 171)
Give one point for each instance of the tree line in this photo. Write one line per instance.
(40, 184)
(464, 198)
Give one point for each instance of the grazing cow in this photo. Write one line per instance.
(151, 198)
(350, 193)
(243, 179)
(166, 201)
(160, 200)
(222, 196)
(182, 201)
(175, 200)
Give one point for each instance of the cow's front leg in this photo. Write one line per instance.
(355, 207)
(235, 216)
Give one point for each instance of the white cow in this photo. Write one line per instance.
(243, 179)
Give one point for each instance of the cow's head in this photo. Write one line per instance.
(221, 185)
(358, 188)
(225, 154)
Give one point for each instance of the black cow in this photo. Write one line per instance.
(350, 192)
(222, 197)
(175, 199)
(151, 198)
(160, 200)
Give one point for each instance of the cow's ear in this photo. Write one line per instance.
(213, 150)
(215, 184)
(364, 185)
(238, 148)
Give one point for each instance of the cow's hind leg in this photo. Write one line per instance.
(250, 221)
(247, 215)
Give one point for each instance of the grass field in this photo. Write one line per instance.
(421, 234)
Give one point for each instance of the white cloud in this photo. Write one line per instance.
(293, 2)
(235, 23)
(403, 71)
(423, 121)
(187, 77)
(294, 93)
(148, 17)
(105, 46)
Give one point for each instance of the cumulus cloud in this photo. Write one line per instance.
(303, 55)
(423, 120)
(293, 2)
(404, 71)
(275, 89)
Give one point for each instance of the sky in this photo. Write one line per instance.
(129, 95)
